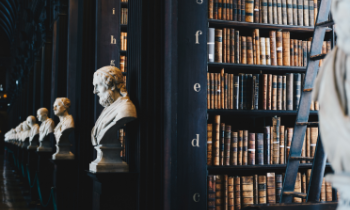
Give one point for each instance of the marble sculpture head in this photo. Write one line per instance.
(340, 9)
(31, 120)
(61, 106)
(42, 114)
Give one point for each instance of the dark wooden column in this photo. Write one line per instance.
(45, 78)
(37, 84)
(29, 89)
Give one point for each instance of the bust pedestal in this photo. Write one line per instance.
(25, 143)
(33, 143)
(63, 146)
(45, 144)
(32, 163)
(45, 173)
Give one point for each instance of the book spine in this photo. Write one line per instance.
(305, 53)
(234, 142)
(301, 59)
(249, 11)
(216, 152)
(247, 190)
(297, 188)
(244, 49)
(264, 93)
(278, 187)
(228, 46)
(237, 46)
(222, 143)
(289, 140)
(231, 91)
(329, 196)
(231, 201)
(284, 12)
(254, 48)
(276, 143)
(257, 44)
(211, 44)
(267, 145)
(237, 188)
(323, 190)
(215, 91)
(300, 12)
(224, 10)
(303, 181)
(260, 148)
(306, 12)
(296, 52)
(222, 86)
(239, 11)
(252, 105)
(220, 9)
(234, 10)
(307, 142)
(271, 189)
(292, 54)
(245, 148)
(211, 192)
(236, 92)
(264, 11)
(297, 90)
(274, 92)
(284, 92)
(290, 91)
(240, 148)
(279, 12)
(257, 11)
(212, 86)
(218, 192)
(243, 8)
(229, 10)
(216, 9)
(251, 149)
(295, 12)
(249, 50)
(225, 192)
(279, 92)
(270, 11)
(273, 53)
(314, 135)
(262, 51)
(282, 144)
(267, 51)
(227, 145)
(269, 93)
(256, 92)
(256, 189)
(290, 12)
(224, 43)
(311, 13)
(218, 91)
(279, 48)
(274, 11)
(218, 45)
(233, 44)
(315, 10)
(286, 48)
(209, 144)
(226, 88)
(208, 90)
(262, 189)
(249, 92)
(211, 9)
(241, 91)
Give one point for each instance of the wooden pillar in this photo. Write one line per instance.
(45, 78)
(37, 84)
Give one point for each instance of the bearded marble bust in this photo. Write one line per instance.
(46, 128)
(110, 88)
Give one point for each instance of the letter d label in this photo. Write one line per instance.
(195, 142)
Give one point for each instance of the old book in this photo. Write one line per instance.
(289, 140)
(249, 91)
(278, 187)
(314, 135)
(222, 87)
(279, 51)
(290, 12)
(329, 196)
(215, 90)
(273, 52)
(245, 148)
(274, 13)
(256, 91)
(328, 47)
(234, 144)
(216, 9)
(218, 90)
(315, 10)
(279, 92)
(323, 190)
(237, 192)
(211, 192)
(236, 92)
(300, 12)
(271, 144)
(300, 45)
(304, 53)
(219, 192)
(254, 48)
(257, 45)
(286, 48)
(279, 12)
(224, 43)
(264, 91)
(212, 90)
(230, 9)
(270, 11)
(233, 45)
(306, 12)
(247, 185)
(297, 188)
(249, 11)
(231, 197)
(264, 11)
(295, 12)
(220, 9)
(211, 9)
(282, 129)
(240, 148)
(227, 145)
(267, 145)
(284, 92)
(290, 91)
(225, 192)
(259, 137)
(311, 13)
(270, 186)
(269, 92)
(122, 63)
(226, 91)
(262, 189)
(237, 47)
(218, 45)
(244, 50)
(216, 151)
(267, 51)
(208, 90)
(256, 189)
(284, 12)
(276, 139)
(251, 149)
(262, 51)
(243, 10)
(228, 45)
(292, 54)
(274, 92)
(224, 10)
(308, 142)
(249, 49)
(209, 144)
(241, 90)
(234, 10)
(308, 176)
(222, 143)
(296, 52)
(257, 11)
(303, 185)
(297, 90)
(239, 10)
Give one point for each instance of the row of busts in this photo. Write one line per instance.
(29, 135)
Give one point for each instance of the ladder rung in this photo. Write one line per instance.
(302, 158)
(317, 57)
(308, 90)
(325, 23)
(306, 123)
(295, 194)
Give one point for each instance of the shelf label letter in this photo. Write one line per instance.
(198, 33)
(195, 142)
(112, 62)
(113, 40)
(113, 11)
(196, 197)
(197, 87)
(199, 1)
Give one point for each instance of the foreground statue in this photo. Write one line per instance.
(109, 86)
(46, 128)
(64, 128)
(332, 91)
(34, 132)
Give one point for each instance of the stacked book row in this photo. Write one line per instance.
(124, 16)
(237, 192)
(283, 12)
(124, 1)
(229, 146)
(123, 40)
(255, 91)
(123, 62)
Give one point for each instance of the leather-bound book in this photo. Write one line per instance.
(239, 11)
(289, 140)
(269, 92)
(211, 192)
(297, 90)
(222, 143)
(292, 53)
(279, 92)
(254, 48)
(227, 90)
(267, 51)
(243, 8)
(295, 12)
(271, 144)
(227, 145)
(314, 135)
(267, 145)
(233, 44)
(211, 44)
(215, 90)
(311, 13)
(304, 53)
(276, 140)
(208, 90)
(249, 46)
(228, 46)
(315, 10)
(256, 92)
(211, 9)
(308, 142)
(264, 11)
(257, 45)
(279, 48)
(273, 51)
(240, 148)
(244, 49)
(247, 185)
(216, 151)
(274, 92)
(282, 144)
(297, 188)
(237, 192)
(209, 144)
(306, 12)
(303, 185)
(218, 91)
(225, 198)
(296, 52)
(252, 96)
(218, 45)
(222, 87)
(259, 148)
(300, 50)
(256, 189)
(224, 43)
(284, 12)
(286, 48)
(219, 193)
(257, 11)
(234, 10)
(251, 149)
(249, 11)
(308, 176)
(241, 90)
(245, 148)
(264, 91)
(278, 187)
(262, 189)
(270, 11)
(323, 190)
(236, 92)
(248, 94)
(290, 91)
(279, 12)
(262, 51)
(216, 9)
(220, 9)
(230, 10)
(271, 187)
(234, 144)
(284, 92)
(290, 12)
(224, 10)
(230, 187)
(274, 11)
(122, 63)
(212, 90)
(300, 12)
(237, 47)
(329, 196)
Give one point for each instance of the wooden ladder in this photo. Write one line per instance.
(319, 159)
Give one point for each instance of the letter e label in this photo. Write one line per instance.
(197, 87)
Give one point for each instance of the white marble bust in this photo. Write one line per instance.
(25, 134)
(34, 132)
(18, 133)
(47, 124)
(10, 135)
(110, 88)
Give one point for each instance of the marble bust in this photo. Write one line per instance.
(18, 134)
(63, 129)
(332, 91)
(10, 135)
(46, 128)
(25, 134)
(110, 88)
(34, 132)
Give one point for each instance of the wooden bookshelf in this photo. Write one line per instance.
(233, 67)
(123, 52)
(256, 113)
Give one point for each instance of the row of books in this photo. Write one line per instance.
(123, 40)
(229, 146)
(255, 91)
(124, 1)
(122, 142)
(123, 63)
(237, 192)
(124, 16)
(283, 12)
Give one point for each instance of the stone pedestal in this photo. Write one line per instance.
(33, 143)
(25, 143)
(63, 146)
(341, 182)
(114, 191)
(45, 174)
(32, 163)
(45, 144)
